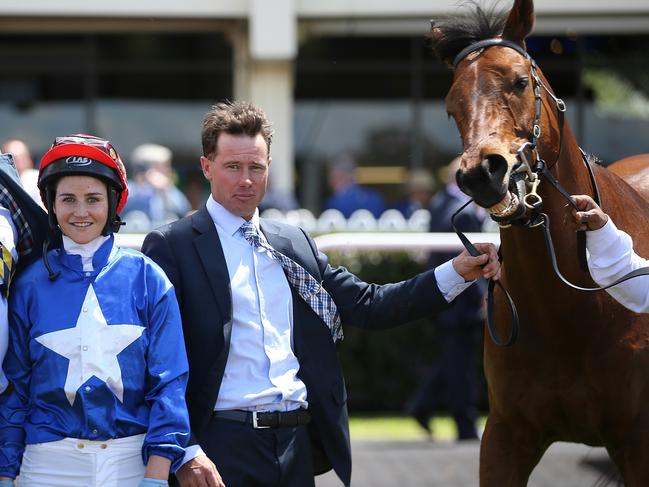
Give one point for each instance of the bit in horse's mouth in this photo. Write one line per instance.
(507, 206)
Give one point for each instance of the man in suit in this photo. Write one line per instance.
(266, 394)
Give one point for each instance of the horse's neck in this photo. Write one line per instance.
(526, 247)
(567, 166)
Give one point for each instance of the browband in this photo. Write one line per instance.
(488, 43)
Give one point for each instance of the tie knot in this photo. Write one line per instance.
(249, 232)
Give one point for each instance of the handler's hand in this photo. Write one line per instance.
(485, 265)
(199, 472)
(589, 216)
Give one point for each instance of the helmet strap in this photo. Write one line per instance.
(50, 194)
(50, 273)
(114, 222)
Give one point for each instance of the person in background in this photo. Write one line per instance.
(262, 313)
(278, 199)
(420, 188)
(96, 355)
(153, 191)
(195, 189)
(453, 379)
(23, 228)
(349, 196)
(24, 165)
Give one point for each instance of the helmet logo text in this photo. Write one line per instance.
(78, 161)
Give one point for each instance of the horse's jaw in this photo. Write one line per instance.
(506, 208)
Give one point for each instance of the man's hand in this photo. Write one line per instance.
(589, 216)
(485, 265)
(199, 472)
(157, 179)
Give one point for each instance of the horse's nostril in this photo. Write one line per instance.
(494, 164)
(485, 183)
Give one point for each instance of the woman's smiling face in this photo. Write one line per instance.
(81, 207)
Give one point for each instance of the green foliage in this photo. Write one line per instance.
(402, 428)
(382, 367)
(615, 94)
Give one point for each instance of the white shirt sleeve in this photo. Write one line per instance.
(611, 256)
(192, 452)
(8, 236)
(449, 282)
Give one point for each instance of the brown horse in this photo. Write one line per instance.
(579, 370)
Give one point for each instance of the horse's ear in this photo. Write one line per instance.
(436, 37)
(520, 22)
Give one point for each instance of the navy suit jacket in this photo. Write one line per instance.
(191, 254)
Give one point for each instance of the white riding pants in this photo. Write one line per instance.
(83, 463)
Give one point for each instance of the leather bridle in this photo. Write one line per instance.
(526, 177)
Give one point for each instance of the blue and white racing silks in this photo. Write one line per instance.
(94, 355)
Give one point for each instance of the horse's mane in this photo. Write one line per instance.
(593, 159)
(459, 31)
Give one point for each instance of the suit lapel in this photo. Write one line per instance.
(210, 251)
(278, 242)
(298, 249)
(284, 245)
(281, 242)
(208, 246)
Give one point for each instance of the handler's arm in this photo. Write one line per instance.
(611, 255)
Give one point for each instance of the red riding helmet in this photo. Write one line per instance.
(84, 155)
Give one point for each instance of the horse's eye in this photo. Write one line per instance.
(521, 83)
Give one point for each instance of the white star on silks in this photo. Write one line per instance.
(92, 347)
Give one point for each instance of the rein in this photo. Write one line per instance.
(532, 202)
(491, 323)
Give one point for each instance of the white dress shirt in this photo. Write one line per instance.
(611, 256)
(261, 370)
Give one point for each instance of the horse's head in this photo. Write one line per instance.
(495, 101)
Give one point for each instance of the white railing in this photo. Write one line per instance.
(388, 241)
(407, 241)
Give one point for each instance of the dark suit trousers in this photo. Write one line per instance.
(247, 457)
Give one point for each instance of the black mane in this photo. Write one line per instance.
(459, 31)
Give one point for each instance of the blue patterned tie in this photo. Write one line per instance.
(306, 286)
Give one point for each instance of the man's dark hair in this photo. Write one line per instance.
(234, 118)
